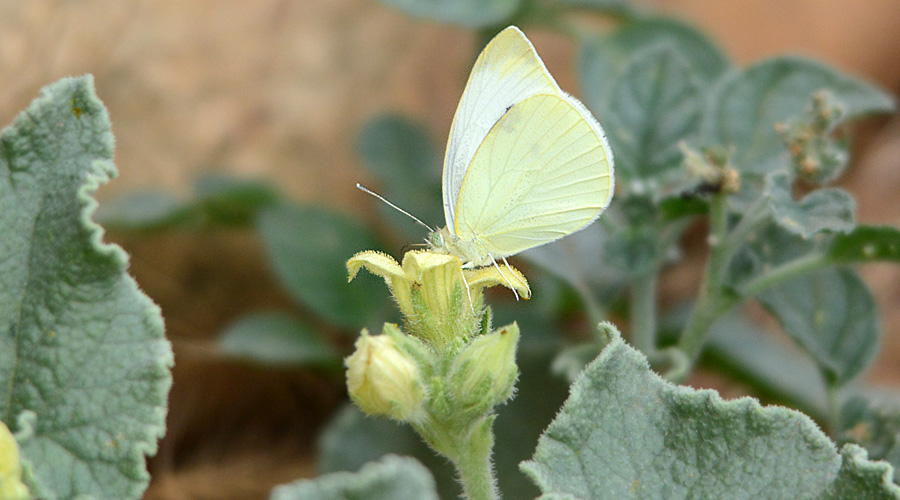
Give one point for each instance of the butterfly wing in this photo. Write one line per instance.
(506, 72)
(543, 171)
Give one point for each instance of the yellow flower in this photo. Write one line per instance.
(440, 300)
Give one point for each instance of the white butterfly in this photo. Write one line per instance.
(526, 163)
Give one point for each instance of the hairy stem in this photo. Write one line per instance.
(643, 313)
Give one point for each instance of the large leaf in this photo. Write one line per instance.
(308, 247)
(832, 315)
(403, 158)
(468, 13)
(83, 360)
(391, 478)
(627, 433)
(747, 105)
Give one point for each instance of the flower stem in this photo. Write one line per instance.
(643, 313)
(469, 447)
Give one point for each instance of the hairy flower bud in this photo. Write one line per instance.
(484, 373)
(383, 380)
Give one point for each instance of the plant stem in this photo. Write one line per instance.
(643, 313)
(473, 463)
(784, 272)
(711, 303)
(468, 446)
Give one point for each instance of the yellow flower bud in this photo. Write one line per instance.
(383, 380)
(484, 373)
(11, 486)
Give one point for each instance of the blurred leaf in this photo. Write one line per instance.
(308, 248)
(391, 478)
(403, 158)
(601, 5)
(353, 439)
(233, 201)
(603, 59)
(822, 210)
(143, 210)
(768, 365)
(633, 250)
(577, 259)
(866, 244)
(467, 13)
(84, 362)
(277, 338)
(627, 433)
(832, 315)
(746, 105)
(650, 107)
(874, 425)
(767, 248)
(218, 200)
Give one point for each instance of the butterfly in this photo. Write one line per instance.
(526, 163)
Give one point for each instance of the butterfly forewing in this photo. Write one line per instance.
(507, 72)
(543, 171)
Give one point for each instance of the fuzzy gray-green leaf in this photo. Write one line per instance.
(748, 104)
(828, 209)
(625, 433)
(83, 360)
(832, 315)
(391, 478)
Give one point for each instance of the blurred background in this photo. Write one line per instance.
(278, 90)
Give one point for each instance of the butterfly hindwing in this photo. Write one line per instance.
(543, 171)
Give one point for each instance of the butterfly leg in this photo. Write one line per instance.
(468, 292)
(504, 276)
(514, 274)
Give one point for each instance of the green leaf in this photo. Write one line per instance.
(403, 158)
(603, 59)
(233, 201)
(832, 315)
(308, 248)
(218, 200)
(391, 478)
(747, 104)
(766, 249)
(143, 210)
(767, 364)
(575, 260)
(627, 433)
(276, 338)
(652, 106)
(614, 6)
(83, 359)
(467, 13)
(874, 425)
(866, 244)
(830, 209)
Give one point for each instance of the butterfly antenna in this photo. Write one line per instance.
(395, 207)
(511, 287)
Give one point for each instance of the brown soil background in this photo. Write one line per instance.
(277, 89)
